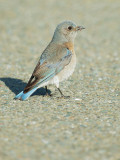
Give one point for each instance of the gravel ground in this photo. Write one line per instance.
(84, 127)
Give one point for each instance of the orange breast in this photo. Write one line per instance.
(69, 45)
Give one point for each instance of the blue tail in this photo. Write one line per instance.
(23, 96)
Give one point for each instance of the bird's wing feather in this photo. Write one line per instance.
(49, 66)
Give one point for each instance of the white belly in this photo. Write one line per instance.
(66, 72)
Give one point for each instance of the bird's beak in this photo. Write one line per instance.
(79, 28)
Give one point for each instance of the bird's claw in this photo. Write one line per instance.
(65, 97)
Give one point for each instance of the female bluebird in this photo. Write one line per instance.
(57, 61)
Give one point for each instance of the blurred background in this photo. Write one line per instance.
(84, 127)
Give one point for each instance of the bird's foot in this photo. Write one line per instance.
(65, 97)
(62, 95)
(48, 94)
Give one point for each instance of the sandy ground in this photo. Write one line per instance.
(84, 127)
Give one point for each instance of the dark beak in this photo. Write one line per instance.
(79, 28)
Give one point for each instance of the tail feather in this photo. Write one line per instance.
(18, 95)
(23, 96)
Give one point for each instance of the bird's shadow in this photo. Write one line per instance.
(17, 85)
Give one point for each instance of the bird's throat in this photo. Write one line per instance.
(69, 45)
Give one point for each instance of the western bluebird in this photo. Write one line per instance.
(57, 61)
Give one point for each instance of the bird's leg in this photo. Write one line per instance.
(47, 93)
(46, 89)
(62, 95)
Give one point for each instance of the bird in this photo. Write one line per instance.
(56, 63)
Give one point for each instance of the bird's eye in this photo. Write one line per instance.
(70, 27)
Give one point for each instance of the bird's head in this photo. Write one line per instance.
(66, 32)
